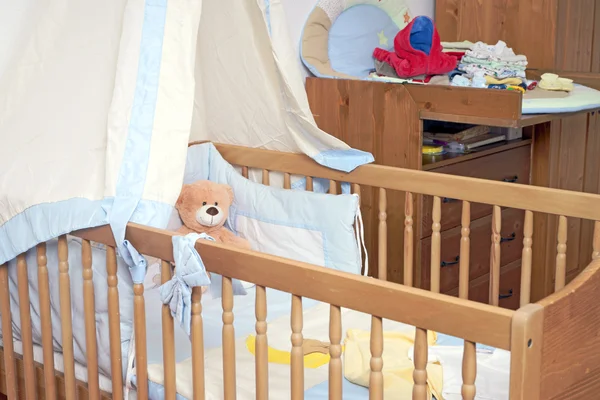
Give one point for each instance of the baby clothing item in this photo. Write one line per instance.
(459, 80)
(418, 51)
(497, 61)
(554, 82)
(398, 368)
(490, 80)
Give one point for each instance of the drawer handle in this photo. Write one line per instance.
(448, 200)
(511, 180)
(449, 263)
(512, 237)
(506, 296)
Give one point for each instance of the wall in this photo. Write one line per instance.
(297, 12)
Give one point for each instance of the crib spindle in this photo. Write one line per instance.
(287, 181)
(469, 362)
(89, 305)
(495, 257)
(168, 339)
(469, 371)
(26, 333)
(297, 361)
(114, 323)
(561, 254)
(376, 376)
(229, 385)
(596, 241)
(332, 187)
(261, 354)
(465, 251)
(139, 329)
(9, 356)
(527, 258)
(46, 322)
(408, 239)
(382, 236)
(420, 361)
(436, 244)
(265, 177)
(197, 332)
(309, 183)
(335, 352)
(66, 317)
(245, 172)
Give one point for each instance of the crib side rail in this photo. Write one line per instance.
(457, 317)
(503, 194)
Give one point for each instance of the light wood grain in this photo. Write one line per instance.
(436, 244)
(495, 257)
(420, 360)
(465, 251)
(66, 318)
(526, 346)
(297, 355)
(335, 352)
(570, 352)
(114, 321)
(197, 337)
(376, 383)
(89, 305)
(261, 356)
(596, 241)
(503, 194)
(46, 322)
(408, 240)
(9, 360)
(139, 328)
(527, 259)
(168, 338)
(26, 334)
(469, 371)
(382, 238)
(229, 385)
(561, 255)
(481, 323)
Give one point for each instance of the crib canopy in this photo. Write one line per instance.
(98, 101)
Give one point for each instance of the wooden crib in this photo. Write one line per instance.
(555, 343)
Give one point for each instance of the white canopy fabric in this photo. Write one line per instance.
(98, 101)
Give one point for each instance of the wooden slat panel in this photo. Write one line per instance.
(168, 338)
(596, 241)
(9, 360)
(297, 355)
(66, 317)
(139, 326)
(495, 257)
(480, 323)
(574, 35)
(262, 346)
(229, 385)
(309, 183)
(526, 259)
(335, 351)
(265, 177)
(245, 172)
(287, 181)
(561, 256)
(26, 333)
(596, 42)
(465, 251)
(376, 376)
(503, 194)
(197, 332)
(46, 322)
(469, 371)
(114, 321)
(89, 305)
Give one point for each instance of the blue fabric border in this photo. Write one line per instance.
(47, 221)
(132, 174)
(344, 160)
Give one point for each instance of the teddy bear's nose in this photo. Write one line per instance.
(212, 211)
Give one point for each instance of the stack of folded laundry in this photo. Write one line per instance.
(498, 61)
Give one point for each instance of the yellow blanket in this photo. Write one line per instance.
(397, 366)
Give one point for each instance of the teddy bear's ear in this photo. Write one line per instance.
(182, 196)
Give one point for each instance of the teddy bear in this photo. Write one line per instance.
(203, 207)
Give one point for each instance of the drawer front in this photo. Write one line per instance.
(510, 287)
(481, 241)
(511, 165)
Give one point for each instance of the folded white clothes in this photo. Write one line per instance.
(498, 52)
